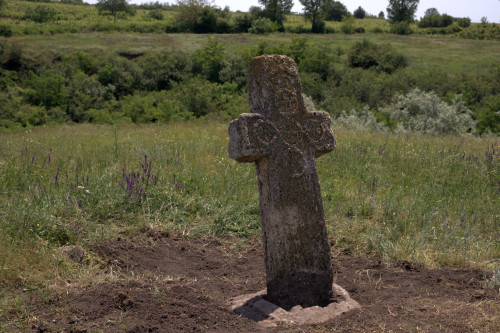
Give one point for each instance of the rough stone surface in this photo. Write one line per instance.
(255, 307)
(283, 139)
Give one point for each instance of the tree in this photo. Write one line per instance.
(334, 10)
(312, 12)
(381, 15)
(431, 12)
(359, 13)
(276, 9)
(196, 15)
(113, 7)
(402, 10)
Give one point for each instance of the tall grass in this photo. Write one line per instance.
(426, 199)
(430, 200)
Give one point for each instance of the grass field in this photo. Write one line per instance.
(451, 55)
(431, 200)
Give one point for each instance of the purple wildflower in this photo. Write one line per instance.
(56, 182)
(70, 200)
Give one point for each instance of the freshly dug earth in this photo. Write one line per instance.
(170, 284)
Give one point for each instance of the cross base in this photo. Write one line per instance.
(256, 308)
(304, 289)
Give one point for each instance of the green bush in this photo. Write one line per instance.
(124, 75)
(348, 24)
(425, 112)
(5, 30)
(46, 89)
(488, 116)
(84, 93)
(209, 61)
(263, 26)
(318, 27)
(436, 21)
(151, 107)
(156, 14)
(464, 22)
(366, 54)
(41, 14)
(161, 70)
(401, 28)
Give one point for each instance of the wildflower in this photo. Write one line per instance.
(56, 182)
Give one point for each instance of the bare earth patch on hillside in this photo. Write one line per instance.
(165, 283)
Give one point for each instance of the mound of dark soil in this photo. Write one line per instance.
(169, 284)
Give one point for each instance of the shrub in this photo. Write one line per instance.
(317, 60)
(488, 117)
(209, 60)
(234, 71)
(309, 102)
(163, 69)
(243, 22)
(199, 97)
(84, 93)
(207, 21)
(348, 24)
(364, 120)
(425, 112)
(318, 27)
(156, 14)
(41, 14)
(463, 22)
(401, 28)
(5, 30)
(150, 107)
(47, 89)
(436, 21)
(125, 75)
(263, 26)
(366, 54)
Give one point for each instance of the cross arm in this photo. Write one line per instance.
(249, 137)
(317, 127)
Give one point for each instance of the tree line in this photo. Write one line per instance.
(201, 16)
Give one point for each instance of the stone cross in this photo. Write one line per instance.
(284, 139)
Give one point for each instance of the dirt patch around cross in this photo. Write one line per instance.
(169, 284)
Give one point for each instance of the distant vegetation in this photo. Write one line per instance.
(104, 86)
(199, 16)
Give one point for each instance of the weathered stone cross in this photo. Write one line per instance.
(284, 139)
